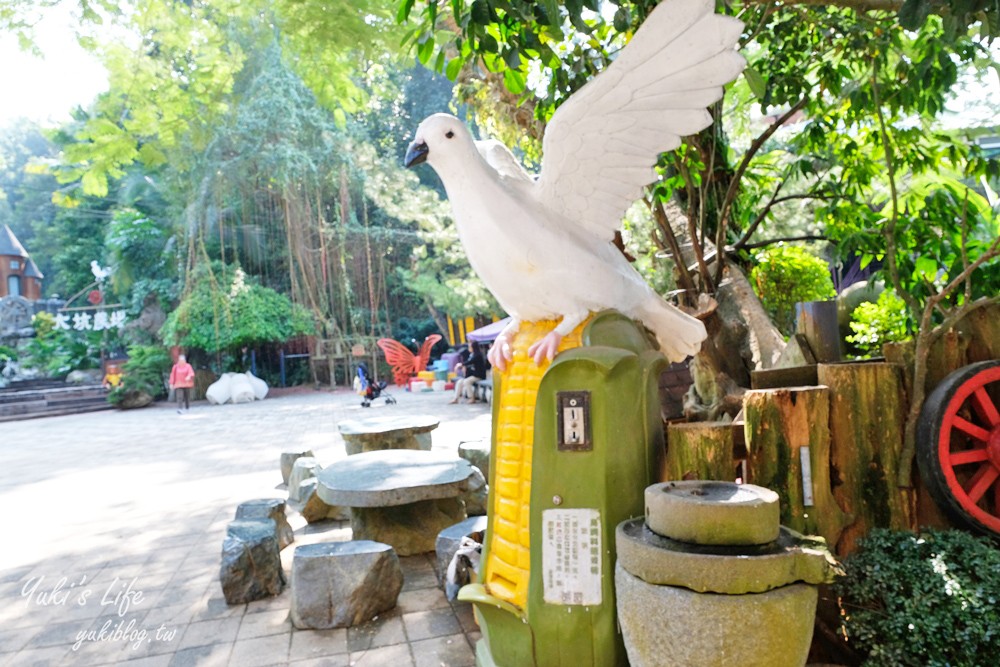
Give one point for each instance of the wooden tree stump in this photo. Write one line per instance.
(779, 424)
(867, 415)
(700, 450)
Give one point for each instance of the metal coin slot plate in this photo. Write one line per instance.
(573, 421)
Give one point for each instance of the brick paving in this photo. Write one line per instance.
(113, 527)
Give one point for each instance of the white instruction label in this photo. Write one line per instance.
(807, 477)
(571, 556)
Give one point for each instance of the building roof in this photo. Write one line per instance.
(31, 270)
(9, 245)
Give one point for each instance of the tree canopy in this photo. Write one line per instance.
(268, 134)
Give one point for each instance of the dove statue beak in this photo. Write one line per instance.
(415, 154)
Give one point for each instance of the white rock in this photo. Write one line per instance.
(240, 389)
(259, 386)
(219, 391)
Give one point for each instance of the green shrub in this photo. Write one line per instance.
(875, 324)
(145, 372)
(785, 275)
(226, 310)
(923, 600)
(55, 352)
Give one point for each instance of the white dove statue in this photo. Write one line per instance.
(543, 245)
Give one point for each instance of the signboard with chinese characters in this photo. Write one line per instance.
(571, 556)
(100, 320)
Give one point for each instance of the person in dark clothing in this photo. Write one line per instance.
(475, 370)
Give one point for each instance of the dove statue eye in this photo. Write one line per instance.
(449, 134)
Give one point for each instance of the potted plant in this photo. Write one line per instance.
(143, 377)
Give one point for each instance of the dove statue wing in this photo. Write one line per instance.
(601, 146)
(498, 156)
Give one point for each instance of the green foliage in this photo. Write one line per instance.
(785, 275)
(7, 354)
(438, 270)
(874, 324)
(940, 227)
(145, 371)
(922, 601)
(71, 241)
(136, 246)
(172, 67)
(56, 352)
(225, 310)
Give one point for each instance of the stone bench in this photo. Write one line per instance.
(483, 390)
(401, 497)
(388, 432)
(341, 584)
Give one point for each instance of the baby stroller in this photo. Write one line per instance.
(370, 390)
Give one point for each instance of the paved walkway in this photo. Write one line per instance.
(115, 521)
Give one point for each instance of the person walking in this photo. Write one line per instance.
(181, 381)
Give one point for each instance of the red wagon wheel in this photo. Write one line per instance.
(958, 441)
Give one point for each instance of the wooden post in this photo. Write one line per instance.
(867, 413)
(700, 450)
(779, 424)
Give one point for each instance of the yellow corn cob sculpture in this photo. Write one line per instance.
(509, 558)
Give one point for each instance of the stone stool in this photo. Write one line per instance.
(269, 508)
(450, 539)
(304, 468)
(251, 563)
(314, 509)
(476, 452)
(288, 460)
(340, 584)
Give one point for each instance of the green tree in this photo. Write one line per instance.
(25, 191)
(865, 162)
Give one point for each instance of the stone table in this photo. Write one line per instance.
(400, 497)
(388, 432)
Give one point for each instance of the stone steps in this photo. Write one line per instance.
(32, 403)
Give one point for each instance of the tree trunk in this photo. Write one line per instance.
(741, 338)
(867, 416)
(780, 424)
(701, 450)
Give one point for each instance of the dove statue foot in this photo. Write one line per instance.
(502, 349)
(500, 352)
(545, 348)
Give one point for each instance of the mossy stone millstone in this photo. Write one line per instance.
(713, 513)
(661, 561)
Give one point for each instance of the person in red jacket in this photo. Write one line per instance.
(181, 381)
